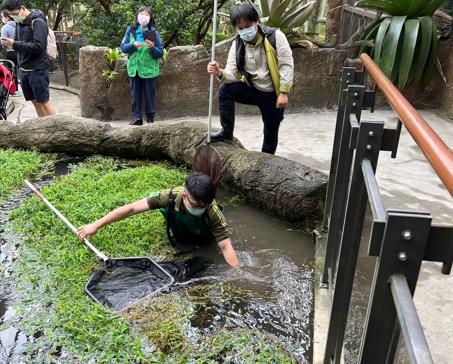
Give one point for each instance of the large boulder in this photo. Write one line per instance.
(280, 186)
(93, 86)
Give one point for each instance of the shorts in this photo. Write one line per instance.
(35, 85)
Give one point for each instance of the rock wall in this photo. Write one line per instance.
(446, 57)
(184, 83)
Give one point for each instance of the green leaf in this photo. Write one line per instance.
(280, 10)
(389, 7)
(426, 30)
(303, 16)
(431, 7)
(391, 44)
(383, 27)
(368, 35)
(411, 27)
(432, 58)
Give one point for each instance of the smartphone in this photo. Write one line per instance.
(150, 35)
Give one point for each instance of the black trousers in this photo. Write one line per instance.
(143, 87)
(266, 102)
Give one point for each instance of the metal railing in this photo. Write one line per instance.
(400, 240)
(65, 69)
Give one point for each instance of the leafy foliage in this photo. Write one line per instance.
(113, 55)
(180, 22)
(405, 44)
(15, 166)
(54, 267)
(287, 15)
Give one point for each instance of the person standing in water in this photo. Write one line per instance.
(192, 215)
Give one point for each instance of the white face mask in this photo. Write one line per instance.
(143, 20)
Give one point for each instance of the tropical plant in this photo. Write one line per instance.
(287, 15)
(405, 39)
(113, 55)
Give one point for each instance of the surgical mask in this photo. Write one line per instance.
(143, 20)
(248, 34)
(194, 211)
(18, 18)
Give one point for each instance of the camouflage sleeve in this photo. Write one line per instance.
(217, 223)
(158, 200)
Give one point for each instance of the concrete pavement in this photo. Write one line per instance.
(407, 182)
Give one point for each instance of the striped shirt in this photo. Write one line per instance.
(214, 218)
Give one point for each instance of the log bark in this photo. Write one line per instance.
(284, 188)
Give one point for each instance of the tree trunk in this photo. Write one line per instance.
(282, 187)
(333, 21)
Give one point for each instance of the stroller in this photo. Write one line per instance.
(7, 87)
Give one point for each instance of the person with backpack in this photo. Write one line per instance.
(192, 214)
(143, 46)
(30, 43)
(259, 71)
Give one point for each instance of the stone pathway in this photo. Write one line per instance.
(407, 182)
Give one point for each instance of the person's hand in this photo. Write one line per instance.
(87, 231)
(282, 101)
(138, 44)
(149, 43)
(7, 42)
(214, 69)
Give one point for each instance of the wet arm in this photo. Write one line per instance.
(122, 213)
(226, 247)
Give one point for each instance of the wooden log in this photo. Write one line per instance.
(284, 188)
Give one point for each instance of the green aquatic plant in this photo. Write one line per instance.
(53, 266)
(17, 165)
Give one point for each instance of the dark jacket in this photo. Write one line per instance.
(30, 42)
(128, 48)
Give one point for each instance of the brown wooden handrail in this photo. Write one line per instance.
(435, 150)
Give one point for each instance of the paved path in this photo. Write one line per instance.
(407, 182)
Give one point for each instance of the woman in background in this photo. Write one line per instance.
(143, 46)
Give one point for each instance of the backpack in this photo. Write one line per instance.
(52, 48)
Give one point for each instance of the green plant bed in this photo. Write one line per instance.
(17, 165)
(53, 268)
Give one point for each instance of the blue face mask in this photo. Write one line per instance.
(194, 211)
(248, 34)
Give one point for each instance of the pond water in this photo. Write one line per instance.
(272, 291)
(275, 281)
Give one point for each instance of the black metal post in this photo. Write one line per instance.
(342, 159)
(347, 77)
(405, 239)
(368, 147)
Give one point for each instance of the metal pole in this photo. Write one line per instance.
(98, 253)
(211, 83)
(411, 328)
(368, 147)
(403, 246)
